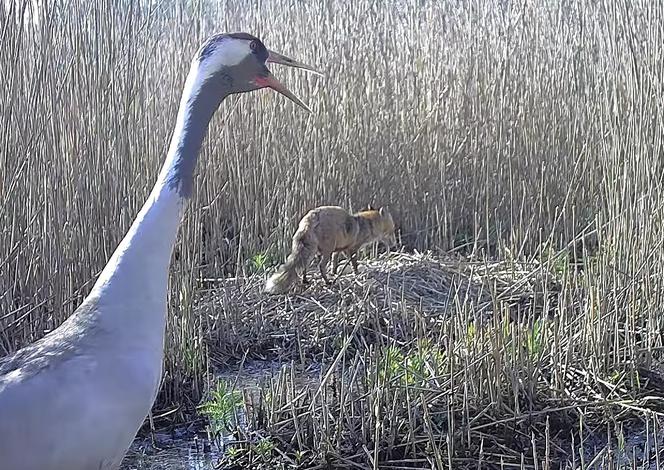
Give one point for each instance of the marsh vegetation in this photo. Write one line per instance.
(518, 145)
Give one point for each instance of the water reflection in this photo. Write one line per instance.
(191, 454)
(183, 451)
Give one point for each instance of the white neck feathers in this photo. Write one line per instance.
(135, 279)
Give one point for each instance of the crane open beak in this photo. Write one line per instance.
(277, 58)
(270, 82)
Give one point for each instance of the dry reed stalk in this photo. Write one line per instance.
(501, 131)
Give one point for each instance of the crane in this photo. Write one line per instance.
(76, 398)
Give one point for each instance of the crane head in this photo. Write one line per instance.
(238, 61)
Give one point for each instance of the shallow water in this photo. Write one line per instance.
(182, 451)
(184, 455)
(189, 454)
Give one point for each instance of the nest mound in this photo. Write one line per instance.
(390, 296)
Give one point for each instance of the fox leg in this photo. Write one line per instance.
(353, 260)
(304, 275)
(335, 262)
(324, 259)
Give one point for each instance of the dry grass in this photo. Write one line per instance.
(424, 363)
(498, 130)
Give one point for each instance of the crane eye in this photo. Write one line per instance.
(253, 45)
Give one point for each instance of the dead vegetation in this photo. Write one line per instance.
(515, 136)
(430, 362)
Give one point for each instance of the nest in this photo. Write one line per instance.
(390, 295)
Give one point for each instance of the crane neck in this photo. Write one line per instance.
(136, 275)
(201, 97)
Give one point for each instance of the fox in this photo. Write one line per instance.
(329, 231)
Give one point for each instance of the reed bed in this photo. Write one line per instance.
(511, 134)
(423, 362)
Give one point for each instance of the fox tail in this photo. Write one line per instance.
(300, 255)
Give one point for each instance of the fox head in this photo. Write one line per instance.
(386, 227)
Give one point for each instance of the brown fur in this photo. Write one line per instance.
(328, 231)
